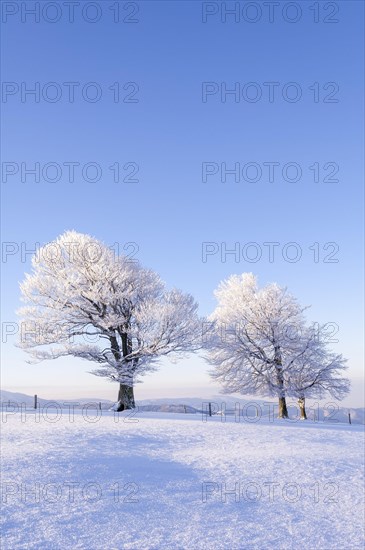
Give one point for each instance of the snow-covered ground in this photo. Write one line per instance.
(159, 480)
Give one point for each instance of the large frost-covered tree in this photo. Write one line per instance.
(85, 301)
(252, 348)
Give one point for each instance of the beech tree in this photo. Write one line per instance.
(316, 371)
(85, 301)
(251, 347)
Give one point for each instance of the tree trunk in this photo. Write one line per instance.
(301, 403)
(125, 398)
(283, 411)
(126, 393)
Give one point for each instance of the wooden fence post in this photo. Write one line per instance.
(349, 418)
(210, 409)
(35, 401)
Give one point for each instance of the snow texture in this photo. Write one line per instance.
(175, 467)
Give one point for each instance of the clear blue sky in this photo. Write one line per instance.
(169, 133)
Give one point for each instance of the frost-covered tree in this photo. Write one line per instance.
(316, 371)
(85, 301)
(252, 349)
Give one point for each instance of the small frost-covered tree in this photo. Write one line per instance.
(85, 301)
(316, 371)
(251, 345)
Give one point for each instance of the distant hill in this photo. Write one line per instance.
(6, 396)
(221, 404)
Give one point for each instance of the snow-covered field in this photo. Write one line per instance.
(159, 480)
